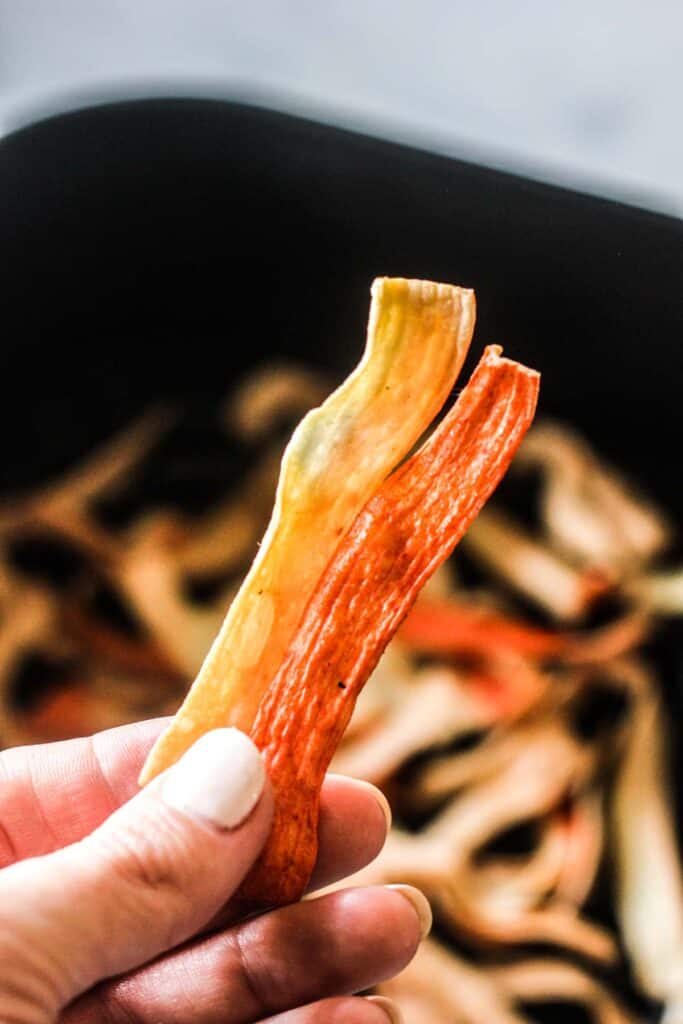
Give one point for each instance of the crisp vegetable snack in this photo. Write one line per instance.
(349, 546)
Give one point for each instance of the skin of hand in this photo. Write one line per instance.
(115, 903)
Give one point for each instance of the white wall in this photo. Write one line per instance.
(582, 92)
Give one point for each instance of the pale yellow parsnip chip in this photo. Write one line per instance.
(418, 336)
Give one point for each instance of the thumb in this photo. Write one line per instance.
(153, 874)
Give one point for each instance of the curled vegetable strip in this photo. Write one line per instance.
(403, 534)
(659, 592)
(387, 689)
(584, 828)
(418, 336)
(267, 396)
(29, 615)
(452, 627)
(529, 775)
(439, 987)
(150, 576)
(533, 569)
(161, 551)
(436, 708)
(650, 887)
(539, 981)
(63, 507)
(589, 511)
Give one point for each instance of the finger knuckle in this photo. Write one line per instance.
(105, 1006)
(150, 866)
(255, 978)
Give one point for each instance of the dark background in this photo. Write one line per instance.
(156, 247)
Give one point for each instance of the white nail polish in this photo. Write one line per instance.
(220, 778)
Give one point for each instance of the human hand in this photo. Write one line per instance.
(114, 903)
